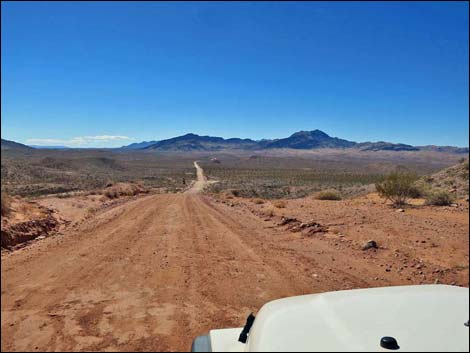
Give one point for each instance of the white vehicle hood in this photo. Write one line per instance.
(420, 318)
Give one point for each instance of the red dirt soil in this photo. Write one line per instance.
(156, 271)
(25, 221)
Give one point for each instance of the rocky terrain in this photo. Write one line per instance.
(453, 180)
(26, 221)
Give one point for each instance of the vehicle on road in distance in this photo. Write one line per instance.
(405, 318)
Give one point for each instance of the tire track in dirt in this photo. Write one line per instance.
(154, 273)
(148, 275)
(77, 274)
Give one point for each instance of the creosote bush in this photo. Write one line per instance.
(328, 195)
(397, 187)
(439, 198)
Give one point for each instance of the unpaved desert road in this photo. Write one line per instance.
(150, 274)
(201, 181)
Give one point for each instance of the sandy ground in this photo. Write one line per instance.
(156, 271)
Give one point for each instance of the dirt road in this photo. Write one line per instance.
(149, 275)
(200, 183)
(153, 273)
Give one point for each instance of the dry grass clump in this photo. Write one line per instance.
(6, 203)
(124, 189)
(111, 194)
(258, 201)
(90, 212)
(279, 203)
(269, 212)
(64, 195)
(328, 195)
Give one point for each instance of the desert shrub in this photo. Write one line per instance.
(124, 189)
(235, 193)
(416, 192)
(439, 198)
(328, 195)
(397, 187)
(428, 179)
(228, 195)
(64, 195)
(280, 204)
(111, 194)
(270, 179)
(6, 203)
(464, 173)
(269, 212)
(90, 212)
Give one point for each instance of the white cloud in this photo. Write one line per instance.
(80, 140)
(43, 141)
(107, 137)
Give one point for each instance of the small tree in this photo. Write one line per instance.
(397, 187)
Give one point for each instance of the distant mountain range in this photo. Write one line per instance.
(139, 145)
(193, 142)
(12, 145)
(302, 140)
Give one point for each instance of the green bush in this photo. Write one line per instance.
(328, 195)
(397, 187)
(439, 198)
(416, 192)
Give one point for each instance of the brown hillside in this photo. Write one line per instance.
(453, 179)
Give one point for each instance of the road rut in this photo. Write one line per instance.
(150, 274)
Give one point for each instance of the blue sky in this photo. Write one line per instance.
(112, 73)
